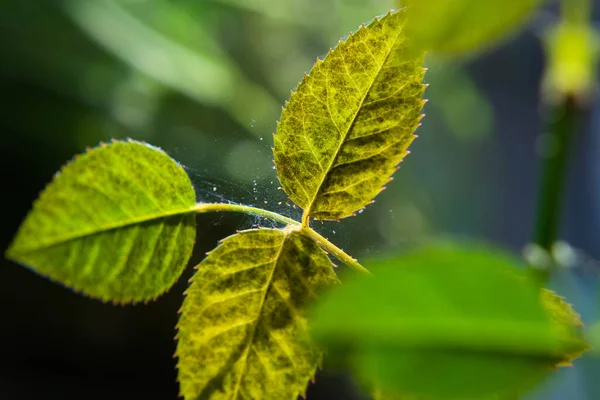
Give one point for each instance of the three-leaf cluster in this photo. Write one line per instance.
(117, 223)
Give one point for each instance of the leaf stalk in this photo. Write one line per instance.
(323, 242)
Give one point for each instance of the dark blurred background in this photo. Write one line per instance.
(205, 80)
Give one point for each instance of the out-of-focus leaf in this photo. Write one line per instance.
(457, 26)
(324, 18)
(349, 123)
(206, 75)
(445, 323)
(115, 223)
(243, 331)
(572, 57)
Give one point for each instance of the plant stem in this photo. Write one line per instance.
(305, 220)
(569, 88)
(218, 207)
(334, 250)
(561, 129)
(323, 242)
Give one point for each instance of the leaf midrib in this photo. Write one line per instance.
(499, 335)
(308, 209)
(19, 250)
(275, 262)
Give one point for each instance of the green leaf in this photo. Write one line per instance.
(243, 331)
(115, 223)
(569, 325)
(464, 318)
(456, 26)
(349, 123)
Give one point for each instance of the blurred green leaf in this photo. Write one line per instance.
(443, 323)
(572, 57)
(243, 330)
(457, 26)
(350, 121)
(115, 223)
(205, 74)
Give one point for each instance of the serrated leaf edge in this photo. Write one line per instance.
(288, 230)
(319, 61)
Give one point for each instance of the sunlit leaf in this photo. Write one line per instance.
(456, 26)
(569, 325)
(464, 318)
(243, 331)
(114, 223)
(349, 123)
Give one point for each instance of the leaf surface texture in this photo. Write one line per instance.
(115, 223)
(243, 330)
(350, 121)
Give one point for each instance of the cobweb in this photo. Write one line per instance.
(213, 182)
(265, 194)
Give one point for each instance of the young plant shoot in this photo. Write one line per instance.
(118, 223)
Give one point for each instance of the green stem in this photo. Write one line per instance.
(220, 207)
(555, 147)
(334, 250)
(323, 242)
(565, 107)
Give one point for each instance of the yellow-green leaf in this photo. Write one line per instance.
(456, 26)
(115, 223)
(243, 331)
(569, 325)
(349, 123)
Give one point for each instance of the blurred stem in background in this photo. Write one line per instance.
(567, 91)
(561, 120)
